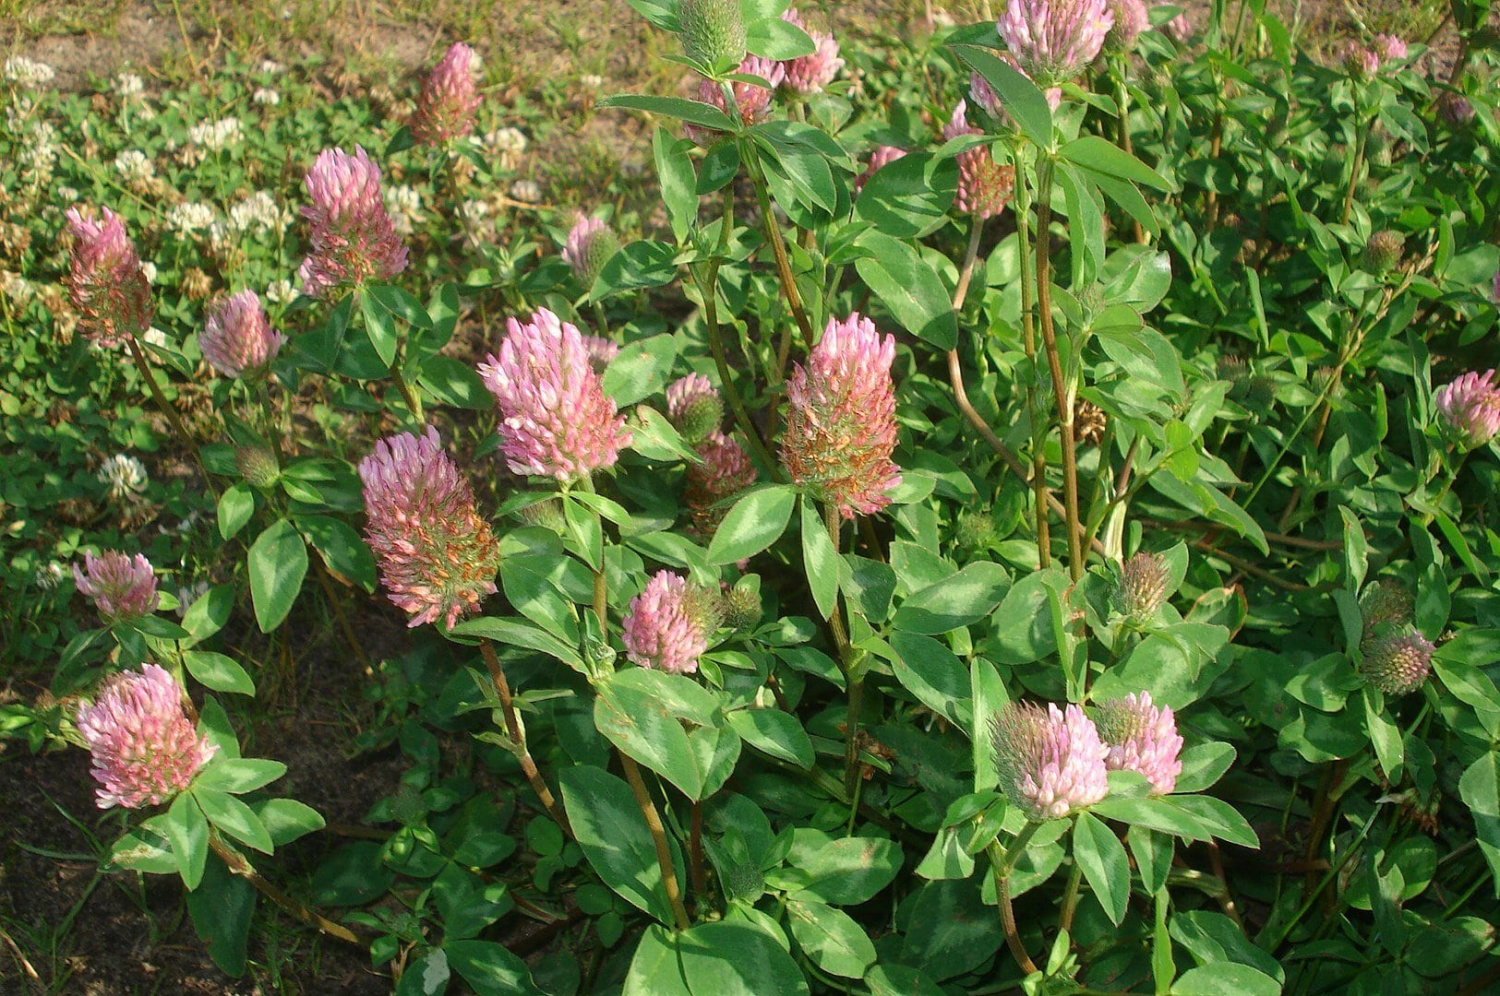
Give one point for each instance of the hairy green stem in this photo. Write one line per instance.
(171, 413)
(852, 676)
(1060, 386)
(1003, 863)
(659, 838)
(1028, 341)
(518, 736)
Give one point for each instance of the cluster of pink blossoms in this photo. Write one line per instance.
(1053, 761)
(237, 338)
(882, 155)
(1131, 19)
(1055, 40)
(667, 625)
(120, 586)
(984, 186)
(144, 748)
(555, 419)
(841, 426)
(106, 282)
(809, 74)
(352, 235)
(1364, 61)
(437, 556)
(448, 99)
(751, 99)
(696, 411)
(1470, 406)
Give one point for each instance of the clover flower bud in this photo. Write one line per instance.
(1131, 18)
(1389, 47)
(1142, 587)
(1470, 407)
(601, 351)
(1455, 109)
(1142, 738)
(448, 99)
(437, 557)
(841, 427)
(694, 408)
(713, 31)
(667, 625)
(741, 606)
(121, 587)
(1050, 761)
(726, 470)
(590, 245)
(257, 465)
(555, 419)
(881, 156)
(1397, 663)
(1054, 40)
(751, 99)
(352, 235)
(107, 284)
(1383, 250)
(237, 338)
(143, 746)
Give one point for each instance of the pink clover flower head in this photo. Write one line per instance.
(107, 284)
(1397, 663)
(448, 99)
(144, 748)
(1179, 29)
(984, 186)
(353, 237)
(437, 556)
(1458, 112)
(752, 99)
(1050, 761)
(1470, 406)
(120, 586)
(555, 419)
(1143, 738)
(841, 426)
(1362, 63)
(668, 624)
(882, 155)
(1495, 286)
(1131, 18)
(590, 245)
(1389, 47)
(808, 74)
(726, 470)
(1054, 40)
(238, 338)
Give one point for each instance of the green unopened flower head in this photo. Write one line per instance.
(257, 465)
(1142, 587)
(1383, 251)
(976, 531)
(694, 408)
(547, 514)
(1398, 663)
(1386, 602)
(741, 606)
(713, 31)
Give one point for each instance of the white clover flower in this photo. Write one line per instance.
(129, 85)
(40, 151)
(506, 140)
(258, 213)
(187, 595)
(155, 337)
(189, 217)
(67, 194)
(16, 287)
(405, 206)
(50, 575)
(146, 112)
(270, 67)
(215, 135)
(280, 292)
(148, 270)
(28, 73)
(266, 97)
(526, 191)
(592, 81)
(124, 475)
(134, 166)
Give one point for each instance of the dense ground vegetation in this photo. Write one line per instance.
(937, 503)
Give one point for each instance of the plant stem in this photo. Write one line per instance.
(239, 865)
(601, 585)
(518, 736)
(1122, 99)
(1003, 864)
(783, 265)
(659, 838)
(1363, 131)
(171, 413)
(1064, 396)
(412, 398)
(1028, 340)
(853, 678)
(1070, 897)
